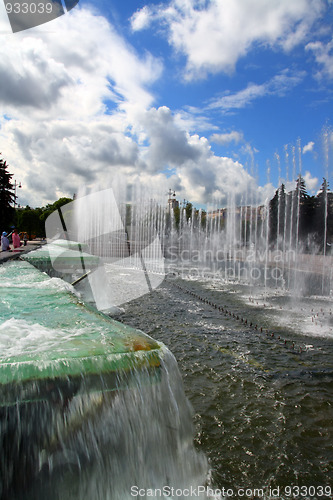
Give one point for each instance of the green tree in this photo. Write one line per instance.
(188, 210)
(300, 190)
(51, 207)
(32, 220)
(29, 221)
(7, 196)
(301, 214)
(324, 215)
(26, 220)
(46, 211)
(277, 207)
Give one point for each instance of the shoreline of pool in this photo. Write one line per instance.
(31, 245)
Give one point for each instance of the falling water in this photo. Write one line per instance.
(89, 408)
(326, 162)
(93, 441)
(236, 242)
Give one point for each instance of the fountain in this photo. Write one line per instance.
(88, 406)
(259, 245)
(265, 245)
(88, 384)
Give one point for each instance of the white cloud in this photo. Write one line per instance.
(70, 98)
(76, 108)
(214, 35)
(168, 143)
(29, 76)
(310, 182)
(213, 179)
(226, 138)
(199, 175)
(141, 19)
(72, 64)
(193, 119)
(308, 147)
(324, 57)
(278, 85)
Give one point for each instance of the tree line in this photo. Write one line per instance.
(29, 220)
(299, 219)
(294, 218)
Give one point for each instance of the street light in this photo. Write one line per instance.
(19, 185)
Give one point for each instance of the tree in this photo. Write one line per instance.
(54, 206)
(188, 210)
(50, 208)
(29, 221)
(32, 220)
(300, 190)
(277, 207)
(302, 212)
(324, 215)
(7, 196)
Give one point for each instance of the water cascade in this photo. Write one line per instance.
(88, 407)
(259, 245)
(93, 407)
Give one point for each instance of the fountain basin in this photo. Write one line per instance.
(63, 257)
(62, 363)
(49, 340)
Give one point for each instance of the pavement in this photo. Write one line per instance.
(31, 245)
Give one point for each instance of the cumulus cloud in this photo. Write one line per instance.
(323, 54)
(67, 98)
(308, 147)
(29, 77)
(227, 138)
(168, 144)
(76, 107)
(141, 19)
(83, 60)
(310, 182)
(214, 179)
(213, 36)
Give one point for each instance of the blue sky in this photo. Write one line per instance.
(212, 99)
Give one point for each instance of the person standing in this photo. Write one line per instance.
(16, 240)
(5, 242)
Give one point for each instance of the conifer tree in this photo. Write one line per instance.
(7, 196)
(324, 214)
(300, 190)
(277, 207)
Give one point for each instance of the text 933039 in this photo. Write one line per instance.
(308, 491)
(29, 8)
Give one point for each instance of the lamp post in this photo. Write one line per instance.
(16, 185)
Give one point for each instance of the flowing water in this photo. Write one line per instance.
(257, 368)
(71, 429)
(259, 374)
(252, 342)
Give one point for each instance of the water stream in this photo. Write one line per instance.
(263, 400)
(85, 412)
(241, 345)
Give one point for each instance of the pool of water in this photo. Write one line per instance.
(256, 365)
(259, 374)
(89, 408)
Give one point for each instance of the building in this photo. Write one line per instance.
(172, 202)
(247, 213)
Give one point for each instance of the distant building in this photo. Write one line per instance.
(247, 213)
(172, 202)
